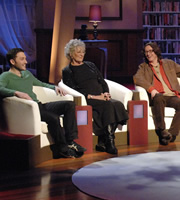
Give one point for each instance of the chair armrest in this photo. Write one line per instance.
(73, 92)
(169, 112)
(142, 93)
(22, 116)
(119, 92)
(77, 101)
(48, 95)
(143, 96)
(178, 80)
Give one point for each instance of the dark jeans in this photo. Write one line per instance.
(50, 113)
(159, 103)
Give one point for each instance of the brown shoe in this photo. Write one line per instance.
(166, 134)
(173, 138)
(164, 137)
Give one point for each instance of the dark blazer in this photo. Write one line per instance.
(68, 78)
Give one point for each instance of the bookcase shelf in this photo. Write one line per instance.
(161, 12)
(161, 26)
(161, 23)
(163, 40)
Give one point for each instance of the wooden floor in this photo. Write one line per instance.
(51, 180)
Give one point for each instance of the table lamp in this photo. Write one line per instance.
(95, 17)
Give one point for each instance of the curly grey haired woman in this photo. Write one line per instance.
(85, 77)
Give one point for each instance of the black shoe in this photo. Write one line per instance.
(55, 151)
(79, 154)
(109, 142)
(173, 138)
(110, 146)
(67, 154)
(101, 143)
(100, 147)
(78, 148)
(70, 153)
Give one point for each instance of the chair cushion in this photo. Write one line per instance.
(44, 127)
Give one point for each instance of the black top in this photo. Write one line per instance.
(85, 78)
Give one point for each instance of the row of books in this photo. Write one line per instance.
(170, 47)
(161, 5)
(175, 58)
(161, 19)
(162, 33)
(161, 22)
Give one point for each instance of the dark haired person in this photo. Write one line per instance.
(159, 77)
(19, 82)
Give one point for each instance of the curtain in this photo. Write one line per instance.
(17, 24)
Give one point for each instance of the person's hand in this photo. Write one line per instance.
(22, 95)
(107, 96)
(153, 93)
(101, 97)
(60, 91)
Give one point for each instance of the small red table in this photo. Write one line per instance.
(85, 130)
(137, 123)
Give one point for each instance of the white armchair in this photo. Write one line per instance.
(117, 91)
(169, 112)
(23, 116)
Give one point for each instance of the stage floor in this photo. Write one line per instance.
(52, 179)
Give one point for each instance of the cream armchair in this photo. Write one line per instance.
(23, 116)
(117, 91)
(169, 112)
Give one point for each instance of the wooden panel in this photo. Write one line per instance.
(43, 49)
(19, 153)
(124, 52)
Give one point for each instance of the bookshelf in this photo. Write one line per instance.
(161, 23)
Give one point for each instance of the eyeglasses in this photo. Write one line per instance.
(150, 51)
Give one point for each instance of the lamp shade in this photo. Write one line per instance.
(95, 13)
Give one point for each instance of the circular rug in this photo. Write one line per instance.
(147, 176)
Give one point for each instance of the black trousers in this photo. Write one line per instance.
(159, 103)
(50, 113)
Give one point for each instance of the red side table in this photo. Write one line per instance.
(85, 130)
(137, 123)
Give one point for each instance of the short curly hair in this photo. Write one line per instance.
(71, 46)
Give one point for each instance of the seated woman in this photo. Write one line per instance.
(85, 77)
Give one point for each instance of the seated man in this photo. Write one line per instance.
(19, 82)
(159, 77)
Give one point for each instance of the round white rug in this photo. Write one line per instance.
(147, 176)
